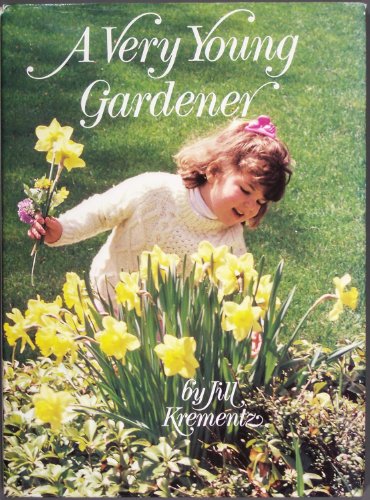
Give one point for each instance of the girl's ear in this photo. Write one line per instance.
(210, 177)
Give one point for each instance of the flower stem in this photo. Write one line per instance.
(52, 189)
(13, 354)
(34, 254)
(51, 167)
(326, 296)
(46, 212)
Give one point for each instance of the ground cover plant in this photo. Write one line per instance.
(305, 379)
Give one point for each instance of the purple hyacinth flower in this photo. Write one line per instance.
(26, 211)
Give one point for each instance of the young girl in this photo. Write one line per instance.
(224, 181)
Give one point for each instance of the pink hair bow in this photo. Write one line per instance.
(262, 126)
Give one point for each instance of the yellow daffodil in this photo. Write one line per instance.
(178, 356)
(50, 406)
(114, 339)
(74, 324)
(56, 338)
(18, 330)
(43, 183)
(67, 153)
(241, 319)
(208, 259)
(347, 298)
(75, 294)
(160, 261)
(59, 196)
(127, 291)
(264, 292)
(37, 308)
(236, 273)
(48, 136)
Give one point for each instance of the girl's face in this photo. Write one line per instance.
(233, 196)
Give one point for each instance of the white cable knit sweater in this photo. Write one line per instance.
(149, 209)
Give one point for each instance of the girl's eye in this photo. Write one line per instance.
(244, 190)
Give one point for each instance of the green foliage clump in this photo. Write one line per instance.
(101, 457)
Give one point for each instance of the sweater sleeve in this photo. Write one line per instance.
(101, 212)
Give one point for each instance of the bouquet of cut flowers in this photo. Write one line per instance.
(44, 196)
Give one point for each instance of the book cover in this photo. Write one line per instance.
(227, 372)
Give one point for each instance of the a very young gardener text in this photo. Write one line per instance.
(209, 46)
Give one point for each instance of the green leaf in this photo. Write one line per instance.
(315, 358)
(16, 418)
(27, 190)
(165, 449)
(275, 451)
(153, 454)
(298, 466)
(206, 474)
(90, 427)
(318, 386)
(344, 350)
(187, 461)
(46, 489)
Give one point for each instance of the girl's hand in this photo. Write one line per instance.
(51, 231)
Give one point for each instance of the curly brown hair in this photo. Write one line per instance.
(267, 159)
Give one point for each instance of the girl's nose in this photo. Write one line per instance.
(251, 204)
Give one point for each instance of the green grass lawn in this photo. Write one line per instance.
(319, 227)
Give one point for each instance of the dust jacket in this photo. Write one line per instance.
(225, 372)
